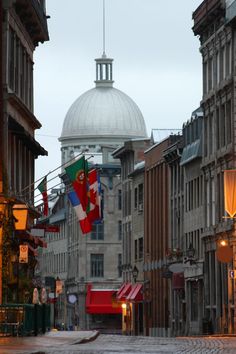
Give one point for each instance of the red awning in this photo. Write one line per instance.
(120, 290)
(123, 291)
(101, 301)
(136, 294)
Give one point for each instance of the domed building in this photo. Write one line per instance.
(96, 124)
(101, 116)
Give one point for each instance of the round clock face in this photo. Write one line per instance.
(72, 298)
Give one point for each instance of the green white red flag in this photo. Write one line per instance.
(95, 197)
(42, 187)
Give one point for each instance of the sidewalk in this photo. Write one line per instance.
(51, 341)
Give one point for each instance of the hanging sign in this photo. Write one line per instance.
(59, 285)
(23, 258)
(230, 192)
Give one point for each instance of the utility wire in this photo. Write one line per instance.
(50, 172)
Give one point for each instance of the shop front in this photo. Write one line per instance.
(104, 312)
(130, 296)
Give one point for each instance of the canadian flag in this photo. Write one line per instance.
(95, 196)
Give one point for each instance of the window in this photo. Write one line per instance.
(194, 300)
(20, 68)
(205, 78)
(119, 230)
(119, 265)
(119, 199)
(228, 59)
(135, 249)
(210, 74)
(206, 135)
(97, 265)
(135, 198)
(228, 122)
(97, 232)
(140, 247)
(140, 196)
(217, 67)
(217, 128)
(208, 206)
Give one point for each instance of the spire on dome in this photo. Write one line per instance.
(104, 71)
(104, 31)
(104, 64)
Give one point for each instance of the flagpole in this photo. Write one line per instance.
(50, 172)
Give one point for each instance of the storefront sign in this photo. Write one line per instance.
(23, 258)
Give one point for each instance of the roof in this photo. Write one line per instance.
(158, 135)
(191, 152)
(103, 111)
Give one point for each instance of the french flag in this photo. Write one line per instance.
(85, 223)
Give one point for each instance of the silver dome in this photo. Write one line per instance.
(103, 111)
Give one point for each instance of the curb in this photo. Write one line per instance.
(87, 339)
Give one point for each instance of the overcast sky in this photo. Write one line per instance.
(156, 62)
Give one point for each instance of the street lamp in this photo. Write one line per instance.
(135, 272)
(190, 251)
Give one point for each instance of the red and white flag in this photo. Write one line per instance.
(95, 196)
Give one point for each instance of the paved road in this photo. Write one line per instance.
(148, 345)
(112, 344)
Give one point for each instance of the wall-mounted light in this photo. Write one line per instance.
(135, 272)
(190, 252)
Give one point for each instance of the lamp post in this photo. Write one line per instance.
(190, 251)
(135, 272)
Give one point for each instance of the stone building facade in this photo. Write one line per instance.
(23, 25)
(131, 156)
(174, 270)
(214, 24)
(156, 239)
(193, 222)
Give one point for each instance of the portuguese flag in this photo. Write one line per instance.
(42, 187)
(78, 175)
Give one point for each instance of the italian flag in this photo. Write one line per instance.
(42, 187)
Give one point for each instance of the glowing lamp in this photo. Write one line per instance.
(20, 213)
(123, 306)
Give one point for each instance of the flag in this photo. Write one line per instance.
(95, 197)
(84, 221)
(230, 192)
(78, 175)
(42, 187)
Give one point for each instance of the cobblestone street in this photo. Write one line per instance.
(123, 344)
(109, 344)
